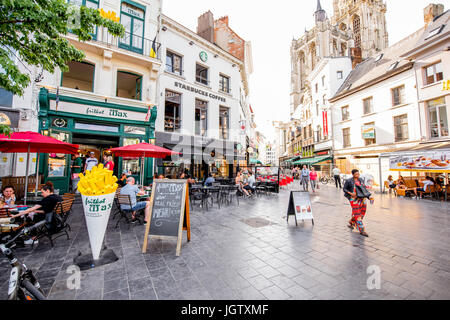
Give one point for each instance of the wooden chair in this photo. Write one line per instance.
(68, 196)
(59, 215)
(124, 200)
(116, 210)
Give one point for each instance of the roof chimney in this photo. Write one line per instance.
(205, 26)
(224, 20)
(432, 11)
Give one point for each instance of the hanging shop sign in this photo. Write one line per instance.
(59, 123)
(368, 131)
(446, 85)
(199, 91)
(325, 123)
(111, 113)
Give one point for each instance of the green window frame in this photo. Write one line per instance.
(131, 22)
(94, 4)
(138, 84)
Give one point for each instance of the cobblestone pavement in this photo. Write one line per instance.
(230, 259)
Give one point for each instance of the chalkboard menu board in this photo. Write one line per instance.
(169, 211)
(300, 206)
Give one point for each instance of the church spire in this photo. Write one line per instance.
(320, 14)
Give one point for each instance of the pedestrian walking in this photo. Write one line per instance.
(357, 193)
(313, 179)
(305, 178)
(337, 177)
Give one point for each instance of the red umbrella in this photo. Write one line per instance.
(143, 150)
(33, 142)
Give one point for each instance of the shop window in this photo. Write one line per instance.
(134, 130)
(201, 117)
(398, 96)
(434, 73)
(131, 165)
(224, 84)
(224, 120)
(401, 128)
(79, 77)
(368, 106)
(129, 85)
(346, 137)
(437, 118)
(345, 113)
(172, 115)
(174, 63)
(96, 127)
(201, 74)
(57, 162)
(132, 18)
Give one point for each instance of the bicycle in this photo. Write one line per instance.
(23, 285)
(327, 180)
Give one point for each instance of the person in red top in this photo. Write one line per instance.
(313, 179)
(110, 163)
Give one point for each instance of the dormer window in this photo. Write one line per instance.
(393, 66)
(379, 57)
(435, 32)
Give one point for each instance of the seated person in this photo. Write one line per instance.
(210, 180)
(7, 198)
(426, 184)
(401, 184)
(43, 210)
(132, 190)
(123, 179)
(249, 186)
(240, 184)
(391, 182)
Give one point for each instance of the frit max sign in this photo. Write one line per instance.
(96, 207)
(109, 112)
(199, 91)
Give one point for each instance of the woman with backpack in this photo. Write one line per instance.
(357, 193)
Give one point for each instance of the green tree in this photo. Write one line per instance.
(32, 31)
(5, 130)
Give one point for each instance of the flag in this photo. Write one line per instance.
(153, 49)
(57, 98)
(149, 112)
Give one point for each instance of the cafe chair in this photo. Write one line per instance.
(124, 200)
(57, 222)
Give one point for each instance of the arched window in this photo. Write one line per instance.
(357, 31)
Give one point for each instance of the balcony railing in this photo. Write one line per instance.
(129, 42)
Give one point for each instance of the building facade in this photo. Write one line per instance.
(200, 111)
(107, 100)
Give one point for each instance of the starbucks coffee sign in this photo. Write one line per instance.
(111, 113)
(203, 56)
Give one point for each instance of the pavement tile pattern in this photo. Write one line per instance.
(250, 252)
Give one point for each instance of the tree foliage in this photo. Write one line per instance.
(5, 130)
(32, 31)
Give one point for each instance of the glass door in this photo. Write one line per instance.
(57, 169)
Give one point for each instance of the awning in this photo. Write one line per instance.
(255, 161)
(311, 161)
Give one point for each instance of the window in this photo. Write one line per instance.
(398, 96)
(369, 134)
(224, 84)
(393, 66)
(437, 118)
(323, 81)
(435, 32)
(368, 106)
(346, 136)
(201, 117)
(79, 77)
(95, 127)
(317, 108)
(174, 63)
(201, 74)
(357, 31)
(172, 115)
(433, 73)
(340, 75)
(310, 131)
(401, 128)
(379, 57)
(324, 100)
(131, 165)
(93, 4)
(129, 85)
(345, 113)
(132, 18)
(317, 87)
(224, 120)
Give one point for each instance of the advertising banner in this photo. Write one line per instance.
(431, 161)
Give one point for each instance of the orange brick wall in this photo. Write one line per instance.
(223, 35)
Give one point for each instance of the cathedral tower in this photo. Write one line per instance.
(366, 21)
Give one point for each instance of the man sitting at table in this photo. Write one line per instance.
(209, 182)
(249, 186)
(43, 210)
(132, 190)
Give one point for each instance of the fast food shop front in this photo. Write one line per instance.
(96, 127)
(425, 159)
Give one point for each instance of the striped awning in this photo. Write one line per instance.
(314, 160)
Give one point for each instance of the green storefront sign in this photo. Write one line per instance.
(93, 124)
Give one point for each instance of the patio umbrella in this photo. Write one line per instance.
(33, 142)
(143, 150)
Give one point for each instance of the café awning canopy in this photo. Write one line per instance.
(143, 150)
(312, 161)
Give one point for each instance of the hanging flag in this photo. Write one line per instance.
(149, 113)
(57, 98)
(153, 49)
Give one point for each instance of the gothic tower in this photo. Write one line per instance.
(366, 21)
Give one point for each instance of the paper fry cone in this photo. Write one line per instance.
(96, 211)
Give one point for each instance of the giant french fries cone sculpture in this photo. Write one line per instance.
(97, 188)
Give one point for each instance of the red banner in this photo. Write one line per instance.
(325, 123)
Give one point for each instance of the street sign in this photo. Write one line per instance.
(300, 207)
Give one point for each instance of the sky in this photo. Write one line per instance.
(271, 28)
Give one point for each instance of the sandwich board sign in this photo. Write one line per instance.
(169, 212)
(300, 207)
